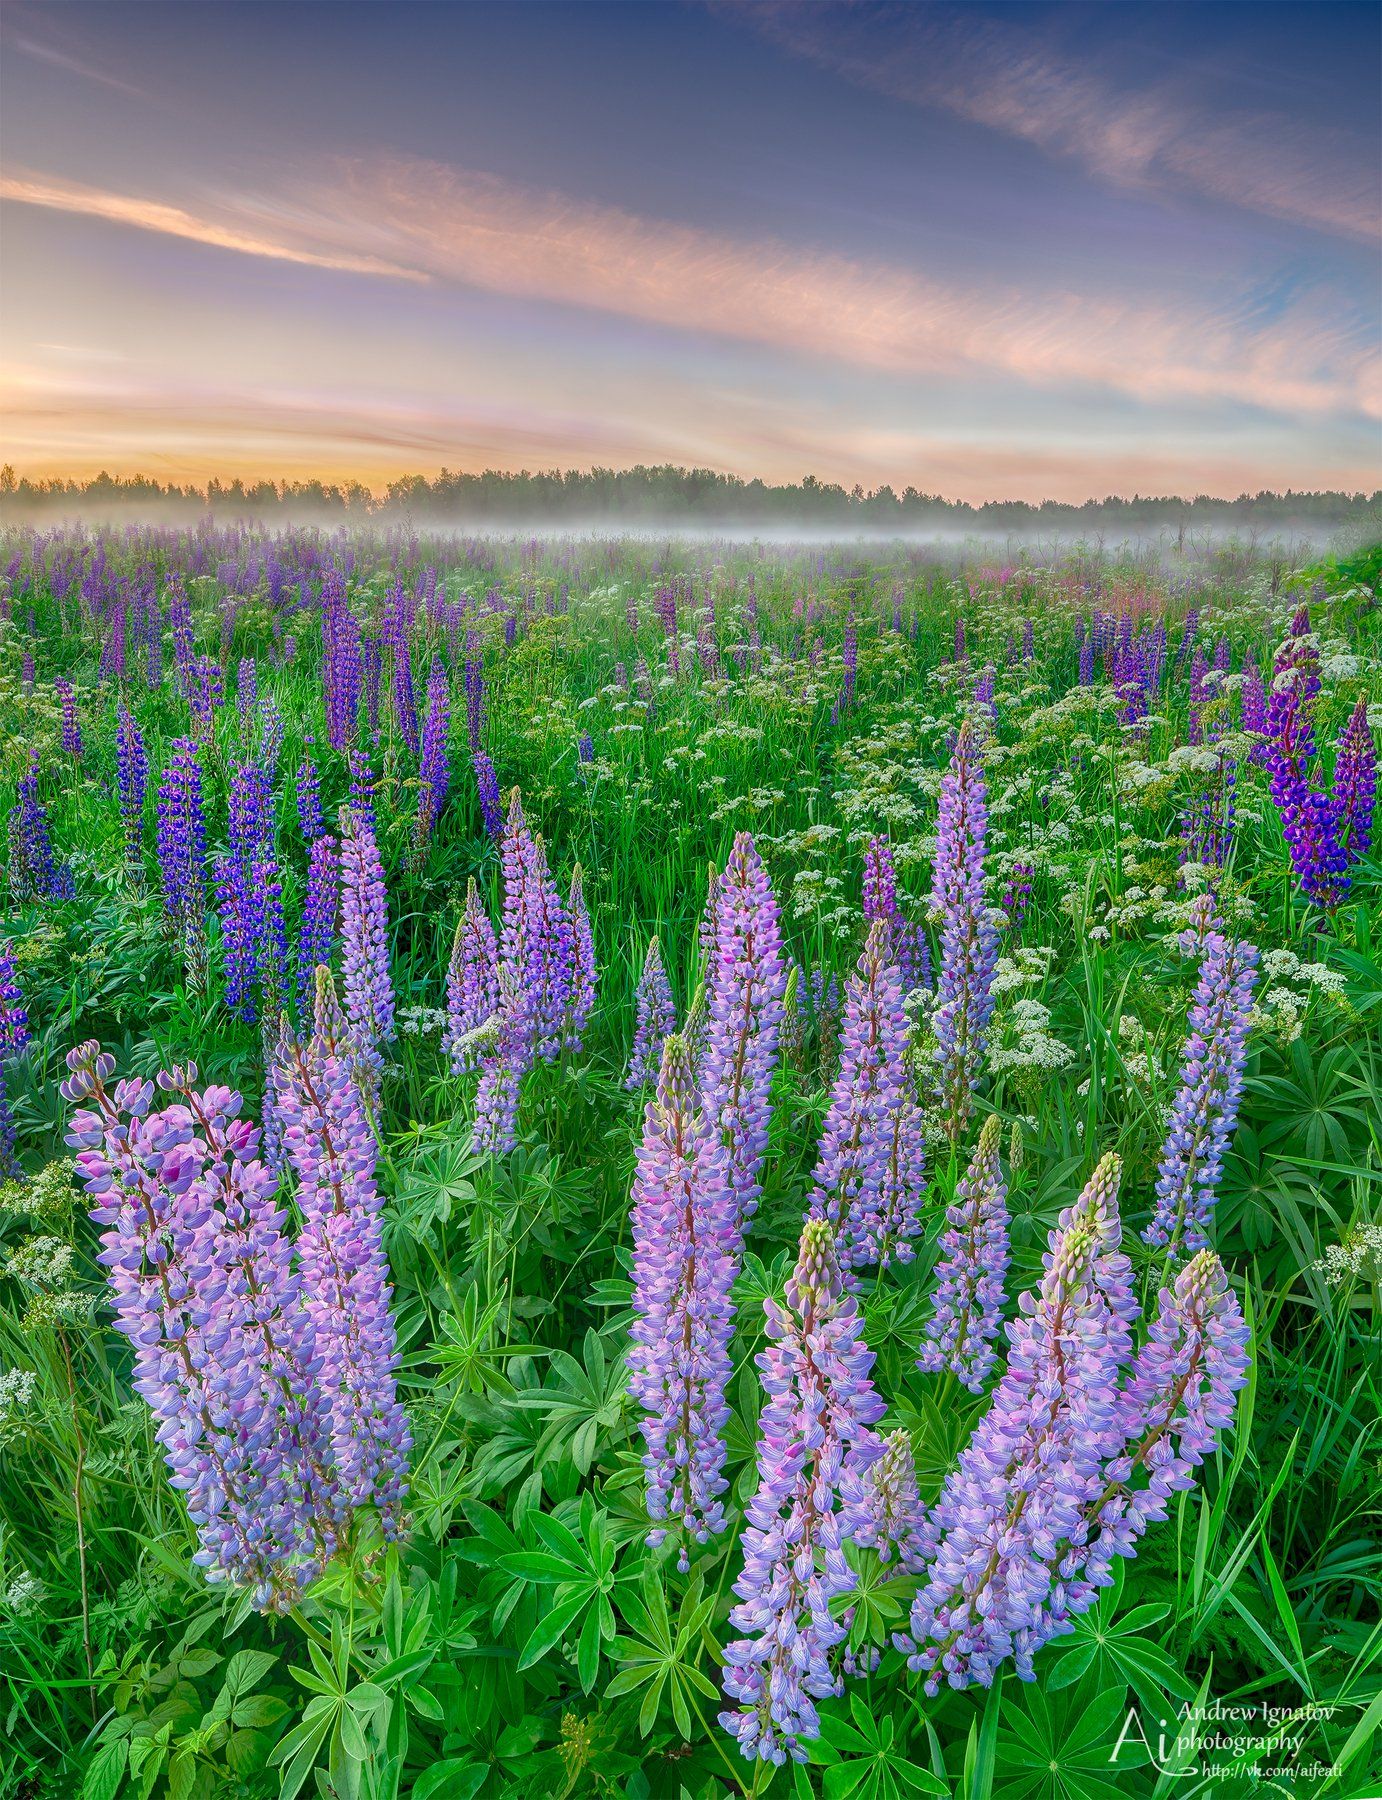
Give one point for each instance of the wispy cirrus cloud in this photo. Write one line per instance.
(420, 221)
(59, 195)
(1010, 78)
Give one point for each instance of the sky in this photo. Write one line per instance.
(986, 250)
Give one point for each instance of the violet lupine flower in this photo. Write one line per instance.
(744, 989)
(1035, 1459)
(851, 661)
(538, 942)
(896, 1525)
(369, 998)
(182, 849)
(36, 873)
(246, 690)
(816, 1446)
(686, 1255)
(1309, 820)
(585, 747)
(1199, 670)
(205, 692)
(584, 973)
(311, 819)
(505, 1050)
(908, 944)
(474, 691)
(200, 1276)
(397, 631)
(1180, 1395)
(1355, 783)
(132, 782)
(1205, 1110)
(434, 770)
(655, 1018)
(236, 902)
(342, 666)
(472, 982)
(871, 1167)
(15, 1031)
(1253, 705)
(1017, 894)
(320, 911)
(487, 787)
(969, 943)
(344, 1274)
(10, 1167)
(71, 725)
(1086, 675)
(968, 1314)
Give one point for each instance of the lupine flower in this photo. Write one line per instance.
(15, 1032)
(182, 849)
(655, 1018)
(968, 1314)
(1181, 1393)
(504, 1047)
(746, 981)
(71, 725)
(816, 1446)
(1205, 1110)
(472, 982)
(132, 782)
(1355, 783)
(686, 1255)
(474, 691)
(1253, 705)
(320, 910)
(1036, 1458)
(487, 786)
(342, 663)
(434, 771)
(205, 692)
(201, 1279)
(35, 871)
(369, 998)
(969, 943)
(870, 1169)
(896, 1525)
(1309, 819)
(908, 945)
(344, 1274)
(585, 748)
(311, 819)
(583, 970)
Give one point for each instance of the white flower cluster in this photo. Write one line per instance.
(1359, 1257)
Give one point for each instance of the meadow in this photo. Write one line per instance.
(679, 1168)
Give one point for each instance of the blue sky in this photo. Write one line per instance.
(984, 250)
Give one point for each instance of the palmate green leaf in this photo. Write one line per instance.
(872, 1765)
(1112, 1645)
(1059, 1747)
(661, 1658)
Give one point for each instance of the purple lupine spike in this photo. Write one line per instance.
(205, 692)
(655, 1018)
(1035, 1459)
(397, 634)
(320, 911)
(71, 724)
(369, 997)
(132, 782)
(1180, 1395)
(474, 691)
(816, 1447)
(311, 819)
(686, 1255)
(15, 1031)
(200, 1276)
(585, 748)
(434, 770)
(1253, 705)
(342, 662)
(472, 982)
(10, 1167)
(35, 872)
(584, 973)
(246, 690)
(744, 989)
(1355, 783)
(870, 1170)
(345, 1275)
(850, 654)
(1199, 670)
(908, 943)
(1309, 820)
(505, 1049)
(1205, 1110)
(555, 938)
(896, 1525)
(182, 857)
(968, 1313)
(969, 942)
(707, 929)
(487, 787)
